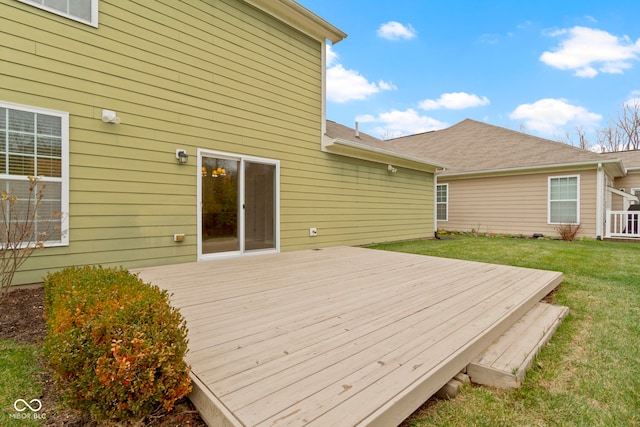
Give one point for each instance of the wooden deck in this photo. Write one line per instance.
(340, 336)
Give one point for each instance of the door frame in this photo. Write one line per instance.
(202, 152)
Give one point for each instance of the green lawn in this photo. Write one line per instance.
(589, 374)
(19, 379)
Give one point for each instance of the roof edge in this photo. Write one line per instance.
(360, 151)
(615, 168)
(300, 18)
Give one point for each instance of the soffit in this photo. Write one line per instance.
(300, 18)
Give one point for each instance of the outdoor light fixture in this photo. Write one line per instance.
(182, 156)
(109, 116)
(391, 169)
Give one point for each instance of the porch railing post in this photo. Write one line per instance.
(623, 224)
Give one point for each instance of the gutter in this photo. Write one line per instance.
(300, 18)
(367, 152)
(532, 169)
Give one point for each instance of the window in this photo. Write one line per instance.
(442, 202)
(635, 192)
(85, 11)
(34, 142)
(564, 200)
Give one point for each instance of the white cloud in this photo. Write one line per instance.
(398, 123)
(332, 57)
(633, 99)
(386, 85)
(454, 101)
(633, 102)
(589, 51)
(345, 85)
(548, 116)
(393, 30)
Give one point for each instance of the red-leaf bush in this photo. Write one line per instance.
(568, 232)
(115, 344)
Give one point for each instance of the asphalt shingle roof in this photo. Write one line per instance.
(631, 159)
(472, 146)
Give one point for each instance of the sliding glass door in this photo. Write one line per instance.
(219, 228)
(238, 204)
(259, 206)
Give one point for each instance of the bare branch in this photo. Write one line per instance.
(579, 140)
(21, 230)
(628, 121)
(610, 139)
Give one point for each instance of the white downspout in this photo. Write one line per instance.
(600, 190)
(435, 200)
(435, 203)
(323, 66)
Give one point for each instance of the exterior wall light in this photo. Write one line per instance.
(109, 116)
(182, 156)
(391, 169)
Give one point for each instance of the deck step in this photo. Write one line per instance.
(504, 363)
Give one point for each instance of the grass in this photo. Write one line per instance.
(589, 374)
(20, 379)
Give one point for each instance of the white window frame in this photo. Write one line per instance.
(94, 12)
(63, 179)
(446, 186)
(635, 192)
(577, 200)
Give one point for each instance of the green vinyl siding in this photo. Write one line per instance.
(216, 75)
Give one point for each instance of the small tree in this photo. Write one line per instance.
(623, 132)
(579, 139)
(628, 122)
(20, 236)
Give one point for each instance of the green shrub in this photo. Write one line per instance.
(115, 344)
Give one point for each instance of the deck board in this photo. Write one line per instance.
(340, 336)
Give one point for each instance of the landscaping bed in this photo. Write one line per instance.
(22, 323)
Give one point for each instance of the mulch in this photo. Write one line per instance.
(21, 320)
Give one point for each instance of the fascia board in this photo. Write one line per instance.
(300, 18)
(373, 154)
(614, 167)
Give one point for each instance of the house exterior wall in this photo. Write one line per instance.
(216, 75)
(514, 204)
(629, 182)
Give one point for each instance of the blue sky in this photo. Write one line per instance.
(544, 67)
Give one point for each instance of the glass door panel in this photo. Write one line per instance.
(260, 206)
(220, 205)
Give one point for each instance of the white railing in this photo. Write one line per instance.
(623, 224)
